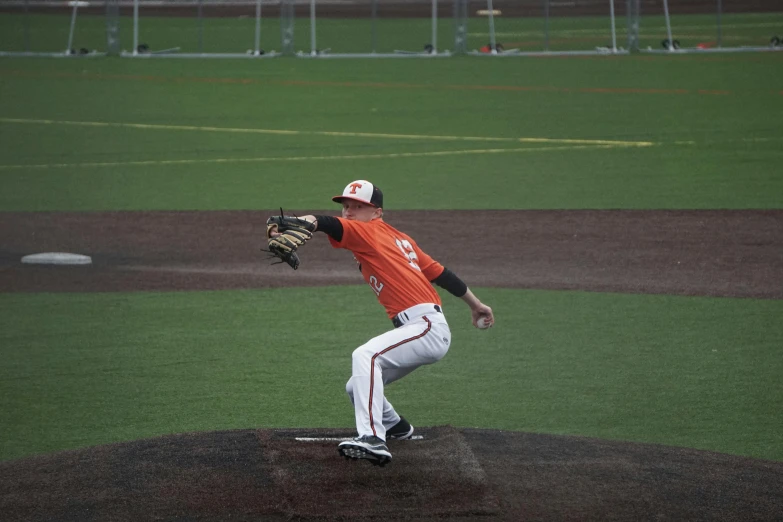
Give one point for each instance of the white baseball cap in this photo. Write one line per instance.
(362, 190)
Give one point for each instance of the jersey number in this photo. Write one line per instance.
(376, 285)
(407, 250)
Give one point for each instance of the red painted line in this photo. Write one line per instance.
(635, 91)
(380, 85)
(308, 83)
(372, 366)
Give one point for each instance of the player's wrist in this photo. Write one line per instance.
(312, 219)
(471, 300)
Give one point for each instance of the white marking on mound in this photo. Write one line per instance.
(56, 258)
(340, 439)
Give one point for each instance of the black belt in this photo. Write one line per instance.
(397, 322)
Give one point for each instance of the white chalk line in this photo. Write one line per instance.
(418, 137)
(300, 158)
(340, 439)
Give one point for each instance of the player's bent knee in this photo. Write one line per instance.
(364, 351)
(361, 360)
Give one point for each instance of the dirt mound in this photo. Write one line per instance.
(709, 252)
(453, 474)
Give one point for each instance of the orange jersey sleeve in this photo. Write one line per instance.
(396, 269)
(429, 267)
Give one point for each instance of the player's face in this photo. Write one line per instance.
(358, 211)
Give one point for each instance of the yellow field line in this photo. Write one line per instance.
(768, 138)
(404, 136)
(418, 137)
(613, 143)
(299, 158)
(743, 140)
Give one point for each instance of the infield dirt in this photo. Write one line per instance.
(709, 252)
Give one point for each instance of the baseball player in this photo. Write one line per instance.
(400, 274)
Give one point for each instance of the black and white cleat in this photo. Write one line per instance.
(366, 447)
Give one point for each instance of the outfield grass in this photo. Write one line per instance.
(95, 368)
(656, 132)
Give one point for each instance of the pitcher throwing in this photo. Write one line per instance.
(401, 275)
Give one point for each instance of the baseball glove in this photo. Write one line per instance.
(292, 234)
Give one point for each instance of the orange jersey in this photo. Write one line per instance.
(397, 270)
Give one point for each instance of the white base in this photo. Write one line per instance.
(57, 258)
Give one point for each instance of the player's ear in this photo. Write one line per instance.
(378, 213)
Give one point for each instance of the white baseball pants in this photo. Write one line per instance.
(424, 338)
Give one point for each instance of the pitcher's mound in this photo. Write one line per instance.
(450, 474)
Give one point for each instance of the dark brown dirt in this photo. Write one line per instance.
(438, 477)
(450, 475)
(711, 253)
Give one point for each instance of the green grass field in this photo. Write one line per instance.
(684, 132)
(87, 369)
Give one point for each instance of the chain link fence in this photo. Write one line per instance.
(389, 28)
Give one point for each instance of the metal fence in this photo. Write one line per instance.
(388, 28)
(678, 26)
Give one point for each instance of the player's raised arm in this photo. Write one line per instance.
(273, 229)
(329, 225)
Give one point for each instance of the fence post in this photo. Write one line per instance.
(720, 28)
(113, 27)
(257, 40)
(668, 24)
(135, 27)
(373, 27)
(287, 26)
(493, 46)
(26, 27)
(73, 27)
(546, 25)
(460, 26)
(313, 44)
(614, 30)
(633, 15)
(434, 26)
(200, 24)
